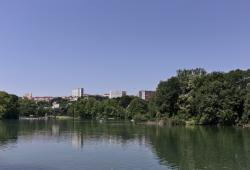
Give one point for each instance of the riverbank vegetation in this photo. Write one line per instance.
(9, 106)
(198, 97)
(191, 97)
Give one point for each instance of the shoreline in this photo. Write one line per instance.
(160, 122)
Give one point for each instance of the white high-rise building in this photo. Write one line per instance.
(117, 93)
(79, 92)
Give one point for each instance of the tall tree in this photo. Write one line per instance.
(9, 107)
(167, 95)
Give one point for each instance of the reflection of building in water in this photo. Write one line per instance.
(77, 140)
(55, 130)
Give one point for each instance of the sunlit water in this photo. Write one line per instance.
(68, 145)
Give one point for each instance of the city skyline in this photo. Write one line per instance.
(80, 92)
(50, 47)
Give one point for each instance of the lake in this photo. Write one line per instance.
(91, 145)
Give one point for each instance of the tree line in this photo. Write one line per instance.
(192, 96)
(198, 97)
(127, 107)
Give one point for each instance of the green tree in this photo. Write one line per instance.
(9, 106)
(28, 107)
(246, 114)
(137, 107)
(167, 95)
(124, 101)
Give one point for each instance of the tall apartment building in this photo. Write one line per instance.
(79, 92)
(117, 93)
(146, 94)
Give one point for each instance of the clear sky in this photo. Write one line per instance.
(49, 47)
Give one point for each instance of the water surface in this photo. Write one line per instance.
(65, 145)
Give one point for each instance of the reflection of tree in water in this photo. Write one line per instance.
(115, 132)
(78, 131)
(201, 147)
(184, 148)
(8, 133)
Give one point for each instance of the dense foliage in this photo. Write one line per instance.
(119, 108)
(9, 107)
(42, 108)
(205, 98)
(32, 108)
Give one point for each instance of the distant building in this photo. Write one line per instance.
(43, 99)
(55, 105)
(28, 96)
(106, 95)
(79, 92)
(146, 94)
(117, 93)
(70, 98)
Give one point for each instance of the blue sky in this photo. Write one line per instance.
(49, 47)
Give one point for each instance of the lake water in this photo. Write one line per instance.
(68, 145)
